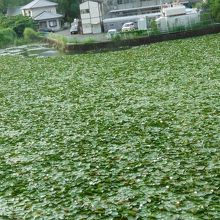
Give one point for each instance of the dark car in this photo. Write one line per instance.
(45, 30)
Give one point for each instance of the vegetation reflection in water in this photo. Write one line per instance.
(31, 50)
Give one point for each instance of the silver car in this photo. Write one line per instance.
(129, 26)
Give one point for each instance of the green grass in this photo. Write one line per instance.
(123, 135)
(61, 41)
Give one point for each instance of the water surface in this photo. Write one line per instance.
(32, 50)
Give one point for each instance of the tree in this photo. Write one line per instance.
(4, 4)
(213, 6)
(215, 9)
(69, 8)
(17, 23)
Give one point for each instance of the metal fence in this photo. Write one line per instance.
(153, 30)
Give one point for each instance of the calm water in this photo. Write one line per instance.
(33, 50)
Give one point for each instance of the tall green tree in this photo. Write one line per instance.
(214, 6)
(69, 8)
(4, 4)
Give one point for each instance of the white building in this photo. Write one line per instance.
(177, 16)
(122, 8)
(44, 12)
(91, 17)
(117, 12)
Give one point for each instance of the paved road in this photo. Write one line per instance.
(83, 37)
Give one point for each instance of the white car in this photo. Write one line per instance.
(74, 29)
(111, 33)
(129, 26)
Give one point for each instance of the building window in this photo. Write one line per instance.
(176, 21)
(43, 24)
(53, 23)
(27, 13)
(85, 11)
(120, 2)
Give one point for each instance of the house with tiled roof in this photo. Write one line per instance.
(44, 13)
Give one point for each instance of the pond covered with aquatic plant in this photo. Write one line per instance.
(130, 135)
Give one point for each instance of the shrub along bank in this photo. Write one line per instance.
(7, 36)
(17, 30)
(17, 23)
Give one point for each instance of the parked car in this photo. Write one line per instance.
(111, 34)
(129, 26)
(45, 30)
(74, 29)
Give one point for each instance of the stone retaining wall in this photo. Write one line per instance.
(112, 45)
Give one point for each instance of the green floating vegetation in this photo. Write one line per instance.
(131, 134)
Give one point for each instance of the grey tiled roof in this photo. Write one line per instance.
(47, 16)
(39, 4)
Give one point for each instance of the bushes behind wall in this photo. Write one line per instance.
(17, 23)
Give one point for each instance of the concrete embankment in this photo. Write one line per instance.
(120, 44)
